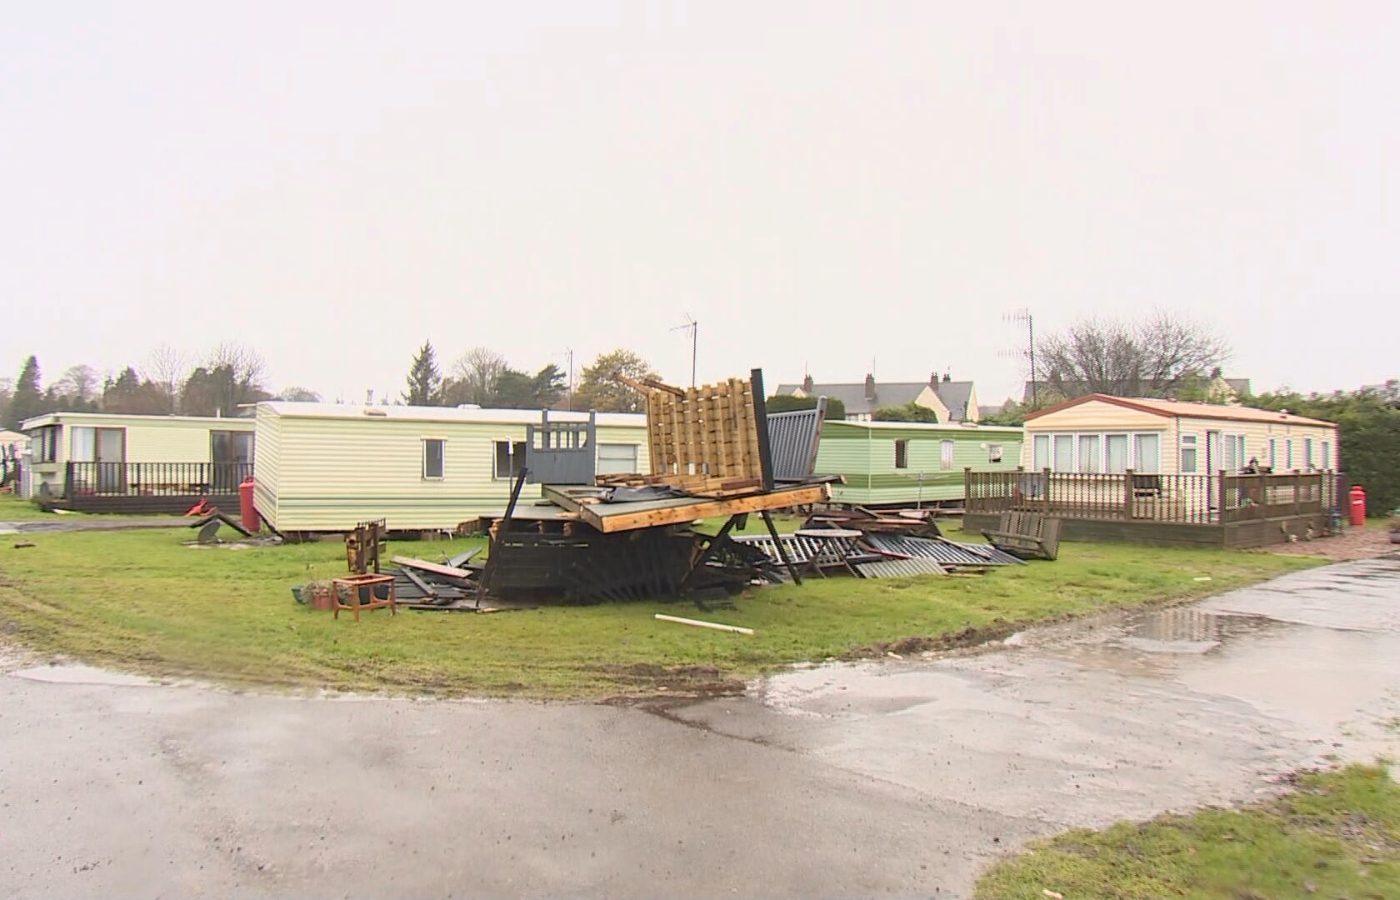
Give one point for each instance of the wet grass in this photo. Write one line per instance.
(17, 509)
(1336, 836)
(139, 600)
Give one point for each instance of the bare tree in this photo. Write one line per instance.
(78, 384)
(475, 374)
(168, 367)
(1152, 358)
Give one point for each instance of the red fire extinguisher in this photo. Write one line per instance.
(1358, 506)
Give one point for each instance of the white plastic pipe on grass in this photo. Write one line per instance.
(699, 624)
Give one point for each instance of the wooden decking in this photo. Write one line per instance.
(1196, 510)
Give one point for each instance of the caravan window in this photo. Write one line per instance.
(1089, 447)
(901, 454)
(510, 460)
(1147, 453)
(617, 459)
(45, 442)
(433, 452)
(945, 458)
(995, 452)
(1189, 448)
(1041, 445)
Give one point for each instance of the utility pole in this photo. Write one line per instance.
(694, 327)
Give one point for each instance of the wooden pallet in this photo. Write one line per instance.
(710, 431)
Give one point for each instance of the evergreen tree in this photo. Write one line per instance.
(424, 378)
(27, 400)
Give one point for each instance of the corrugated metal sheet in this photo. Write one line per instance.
(948, 552)
(793, 438)
(900, 568)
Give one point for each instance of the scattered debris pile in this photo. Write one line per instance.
(872, 545)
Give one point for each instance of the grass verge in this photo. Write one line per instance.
(16, 509)
(1337, 835)
(140, 600)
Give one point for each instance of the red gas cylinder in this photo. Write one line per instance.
(1358, 506)
(246, 511)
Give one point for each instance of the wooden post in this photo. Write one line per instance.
(1297, 492)
(1128, 494)
(760, 416)
(68, 480)
(1045, 500)
(778, 543)
(967, 490)
(1220, 496)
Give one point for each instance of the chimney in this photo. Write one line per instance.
(870, 387)
(807, 384)
(948, 376)
(369, 397)
(933, 379)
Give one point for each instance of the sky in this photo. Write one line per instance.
(831, 188)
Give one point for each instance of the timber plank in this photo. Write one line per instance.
(689, 512)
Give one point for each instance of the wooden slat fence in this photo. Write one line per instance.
(1130, 496)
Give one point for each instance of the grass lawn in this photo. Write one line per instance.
(1337, 836)
(17, 509)
(139, 600)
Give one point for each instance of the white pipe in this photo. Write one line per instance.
(699, 624)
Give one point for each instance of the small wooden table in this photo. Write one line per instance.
(352, 584)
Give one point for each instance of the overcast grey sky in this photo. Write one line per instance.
(819, 184)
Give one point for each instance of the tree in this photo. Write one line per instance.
(168, 368)
(78, 385)
(298, 395)
(27, 399)
(598, 390)
(516, 390)
(127, 393)
(7, 392)
(230, 379)
(424, 378)
(909, 412)
(1011, 413)
(476, 373)
(1151, 358)
(835, 409)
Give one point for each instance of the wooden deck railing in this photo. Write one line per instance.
(153, 479)
(1131, 496)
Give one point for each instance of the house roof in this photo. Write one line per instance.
(1073, 389)
(954, 394)
(944, 427)
(1181, 409)
(359, 411)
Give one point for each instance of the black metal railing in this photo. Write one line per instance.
(153, 479)
(1132, 496)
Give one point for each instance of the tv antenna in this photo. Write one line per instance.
(694, 327)
(568, 353)
(1023, 316)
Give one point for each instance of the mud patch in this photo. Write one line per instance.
(694, 681)
(971, 636)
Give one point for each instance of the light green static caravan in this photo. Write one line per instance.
(327, 466)
(887, 463)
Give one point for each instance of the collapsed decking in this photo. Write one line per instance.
(630, 536)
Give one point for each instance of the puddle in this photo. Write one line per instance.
(80, 674)
(1188, 630)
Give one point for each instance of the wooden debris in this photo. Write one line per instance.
(409, 562)
(697, 623)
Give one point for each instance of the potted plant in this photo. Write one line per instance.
(315, 594)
